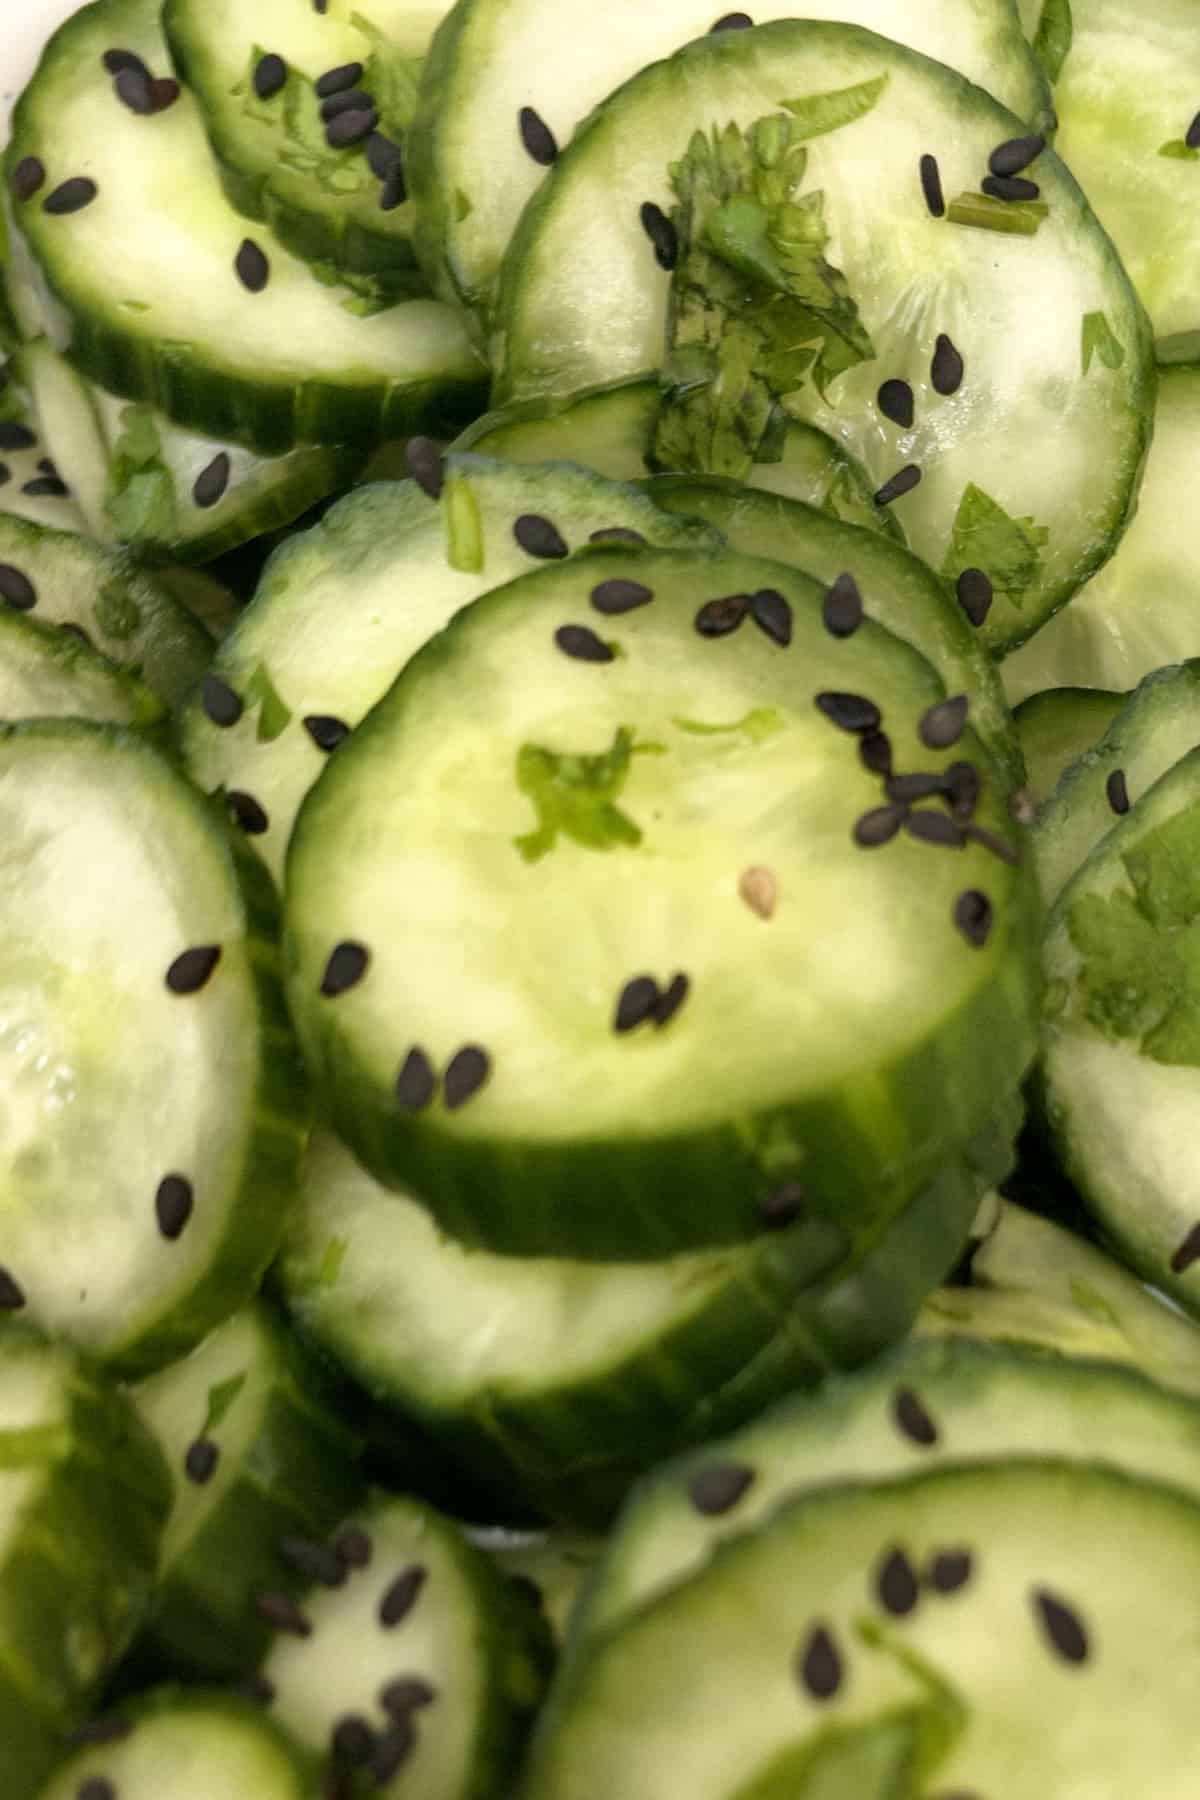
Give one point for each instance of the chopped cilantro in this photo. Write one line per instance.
(1099, 340)
(140, 497)
(758, 725)
(220, 1399)
(1054, 37)
(275, 715)
(1179, 148)
(575, 796)
(986, 537)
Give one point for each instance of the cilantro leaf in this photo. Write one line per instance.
(1180, 148)
(575, 796)
(1054, 37)
(140, 498)
(760, 723)
(393, 81)
(1100, 340)
(817, 114)
(986, 537)
(275, 715)
(220, 1399)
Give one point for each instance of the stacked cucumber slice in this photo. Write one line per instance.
(545, 992)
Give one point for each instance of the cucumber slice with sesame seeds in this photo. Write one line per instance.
(550, 1565)
(265, 79)
(187, 1744)
(153, 1106)
(160, 291)
(658, 958)
(340, 610)
(1019, 469)
(1057, 727)
(31, 484)
(1005, 1610)
(83, 1497)
(422, 1670)
(509, 81)
(1121, 1046)
(47, 674)
(262, 1471)
(61, 579)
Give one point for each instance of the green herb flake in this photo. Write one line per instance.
(575, 796)
(1054, 37)
(393, 81)
(986, 537)
(761, 723)
(464, 206)
(1099, 340)
(140, 501)
(818, 114)
(1015, 218)
(220, 1399)
(464, 526)
(1180, 149)
(332, 1258)
(275, 715)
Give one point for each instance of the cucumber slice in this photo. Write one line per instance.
(478, 1349)
(935, 1403)
(203, 595)
(122, 611)
(31, 485)
(327, 204)
(830, 1618)
(341, 610)
(612, 430)
(151, 1130)
(145, 289)
(897, 589)
(550, 1565)
(1057, 727)
(705, 772)
(1141, 610)
(474, 164)
(180, 1744)
(1158, 724)
(1028, 471)
(250, 1415)
(1121, 1050)
(163, 492)
(45, 674)
(427, 1610)
(83, 1496)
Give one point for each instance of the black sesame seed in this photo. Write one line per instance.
(943, 724)
(70, 196)
(12, 1295)
(879, 827)
(939, 828)
(538, 536)
(47, 466)
(16, 589)
(820, 1664)
(110, 1729)
(717, 618)
(211, 483)
(28, 177)
(671, 999)
(850, 712)
(662, 235)
(773, 616)
(896, 1584)
(416, 1083)
(931, 186)
(973, 916)
(947, 369)
(782, 1207)
(316, 1562)
(716, 1490)
(1015, 154)
(116, 61)
(173, 1203)
(896, 402)
(876, 752)
(252, 267)
(256, 1688)
(963, 788)
(912, 1419)
(1192, 135)
(974, 590)
(407, 1694)
(200, 1463)
(352, 1546)
(96, 1788)
(467, 1071)
(270, 77)
(351, 127)
(581, 643)
(842, 607)
(402, 1595)
(635, 1003)
(336, 81)
(325, 731)
(528, 1589)
(247, 813)
(219, 702)
(345, 969)
(989, 841)
(905, 789)
(1009, 187)
(46, 487)
(164, 92)
(395, 190)
(191, 968)
(735, 21)
(383, 155)
(619, 596)
(134, 89)
(423, 460)
(1117, 790)
(392, 1750)
(902, 482)
(352, 1741)
(351, 100)
(16, 437)
(1188, 1253)
(1063, 1627)
(281, 1613)
(949, 1571)
(321, 6)
(539, 141)
(616, 534)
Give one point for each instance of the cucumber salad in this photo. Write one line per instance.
(600, 902)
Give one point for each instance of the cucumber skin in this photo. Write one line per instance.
(430, 243)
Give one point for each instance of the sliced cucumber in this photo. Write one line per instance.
(1027, 472)
(46, 674)
(1141, 611)
(897, 589)
(61, 579)
(1003, 1611)
(262, 1470)
(1055, 728)
(436, 1658)
(1122, 1047)
(327, 202)
(161, 292)
(550, 1565)
(341, 610)
(83, 1496)
(928, 1404)
(28, 488)
(204, 595)
(181, 1744)
(720, 1033)
(150, 1131)
(1158, 724)
(476, 159)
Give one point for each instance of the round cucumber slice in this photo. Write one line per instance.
(46, 674)
(1057, 727)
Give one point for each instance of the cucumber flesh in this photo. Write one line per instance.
(27, 489)
(1029, 469)
(1055, 728)
(551, 1565)
(47, 674)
